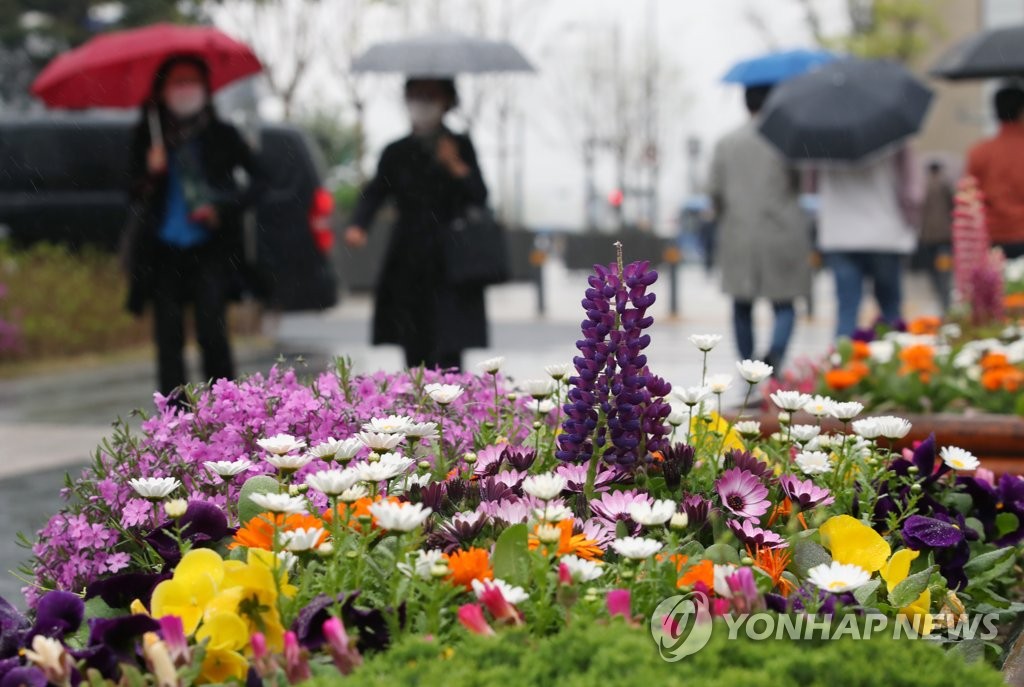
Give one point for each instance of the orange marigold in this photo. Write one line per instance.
(841, 378)
(469, 565)
(1014, 301)
(258, 533)
(925, 325)
(350, 513)
(569, 543)
(920, 360)
(1002, 378)
(993, 361)
(699, 572)
(861, 350)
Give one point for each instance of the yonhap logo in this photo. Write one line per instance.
(681, 625)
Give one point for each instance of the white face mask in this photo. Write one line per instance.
(425, 115)
(186, 100)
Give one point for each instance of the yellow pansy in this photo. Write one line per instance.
(221, 665)
(918, 611)
(224, 630)
(714, 426)
(851, 541)
(195, 582)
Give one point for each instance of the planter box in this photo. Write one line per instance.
(996, 440)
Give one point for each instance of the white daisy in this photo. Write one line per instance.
(636, 548)
(838, 577)
(281, 444)
(154, 488)
(513, 595)
(651, 514)
(704, 342)
(754, 371)
(958, 459)
(582, 570)
(544, 487)
(443, 394)
(813, 462)
(280, 503)
(399, 517)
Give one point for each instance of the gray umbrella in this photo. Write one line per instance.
(442, 54)
(845, 111)
(988, 54)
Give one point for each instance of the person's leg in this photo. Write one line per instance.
(168, 327)
(743, 328)
(210, 300)
(450, 361)
(887, 275)
(782, 331)
(849, 278)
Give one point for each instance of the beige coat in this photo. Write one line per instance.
(764, 238)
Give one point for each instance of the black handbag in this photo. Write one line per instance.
(475, 250)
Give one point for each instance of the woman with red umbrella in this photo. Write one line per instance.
(188, 206)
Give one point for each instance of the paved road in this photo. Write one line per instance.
(50, 424)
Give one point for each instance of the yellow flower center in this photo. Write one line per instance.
(836, 584)
(957, 463)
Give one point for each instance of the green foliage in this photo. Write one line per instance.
(892, 29)
(614, 654)
(340, 142)
(67, 303)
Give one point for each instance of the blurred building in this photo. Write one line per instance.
(961, 113)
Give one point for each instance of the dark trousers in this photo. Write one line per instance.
(743, 328)
(851, 270)
(419, 355)
(190, 276)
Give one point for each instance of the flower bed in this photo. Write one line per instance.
(419, 527)
(928, 368)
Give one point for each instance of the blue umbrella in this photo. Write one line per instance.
(770, 69)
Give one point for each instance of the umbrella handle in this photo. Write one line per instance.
(155, 132)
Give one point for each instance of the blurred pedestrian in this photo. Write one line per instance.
(936, 232)
(998, 165)
(763, 237)
(866, 227)
(433, 176)
(186, 218)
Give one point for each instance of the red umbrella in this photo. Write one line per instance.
(117, 69)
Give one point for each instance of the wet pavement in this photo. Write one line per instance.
(50, 424)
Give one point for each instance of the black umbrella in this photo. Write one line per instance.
(440, 55)
(845, 111)
(988, 54)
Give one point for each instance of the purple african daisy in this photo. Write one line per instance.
(754, 536)
(804, 493)
(576, 475)
(614, 505)
(742, 493)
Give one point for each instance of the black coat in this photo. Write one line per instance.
(222, 152)
(414, 304)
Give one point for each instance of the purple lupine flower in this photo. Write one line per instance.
(742, 493)
(612, 377)
(804, 493)
(753, 535)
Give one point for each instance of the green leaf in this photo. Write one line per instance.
(693, 550)
(910, 588)
(990, 566)
(866, 593)
(977, 526)
(1007, 523)
(970, 650)
(260, 484)
(721, 554)
(807, 554)
(511, 556)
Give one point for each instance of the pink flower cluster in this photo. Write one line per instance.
(80, 543)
